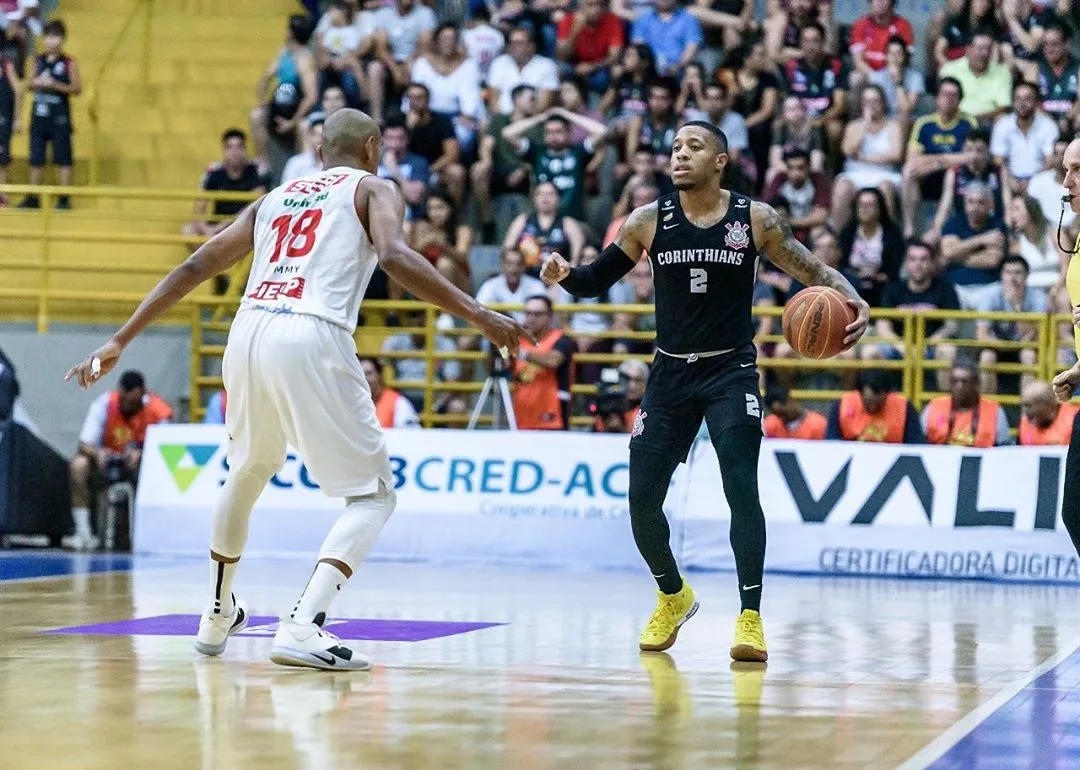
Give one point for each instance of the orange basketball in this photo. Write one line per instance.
(814, 322)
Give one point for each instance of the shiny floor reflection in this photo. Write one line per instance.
(863, 674)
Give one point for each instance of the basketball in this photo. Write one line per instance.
(815, 320)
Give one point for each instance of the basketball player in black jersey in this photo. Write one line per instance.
(704, 243)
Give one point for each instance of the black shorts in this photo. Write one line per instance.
(932, 186)
(723, 390)
(59, 134)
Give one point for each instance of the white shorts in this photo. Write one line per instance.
(869, 176)
(294, 379)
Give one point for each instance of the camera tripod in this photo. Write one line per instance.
(497, 389)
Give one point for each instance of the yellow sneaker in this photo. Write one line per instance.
(671, 612)
(749, 644)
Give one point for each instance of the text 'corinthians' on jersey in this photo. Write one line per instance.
(703, 278)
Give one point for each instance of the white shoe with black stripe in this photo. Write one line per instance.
(306, 645)
(215, 628)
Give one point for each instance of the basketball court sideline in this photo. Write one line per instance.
(508, 668)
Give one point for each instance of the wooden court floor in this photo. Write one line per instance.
(504, 668)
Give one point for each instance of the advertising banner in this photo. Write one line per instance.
(545, 499)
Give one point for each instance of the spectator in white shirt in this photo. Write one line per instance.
(1031, 238)
(482, 41)
(306, 162)
(453, 83)
(521, 66)
(403, 33)
(362, 21)
(1045, 187)
(27, 12)
(511, 286)
(1023, 140)
(340, 46)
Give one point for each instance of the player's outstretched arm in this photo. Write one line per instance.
(214, 257)
(381, 208)
(774, 238)
(615, 261)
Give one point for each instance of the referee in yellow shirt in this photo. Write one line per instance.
(1068, 382)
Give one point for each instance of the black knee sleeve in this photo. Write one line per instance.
(650, 475)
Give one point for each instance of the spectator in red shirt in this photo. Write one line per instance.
(870, 38)
(806, 193)
(590, 41)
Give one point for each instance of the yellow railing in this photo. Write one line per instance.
(99, 78)
(916, 371)
(124, 237)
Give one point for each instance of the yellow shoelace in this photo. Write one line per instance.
(749, 628)
(665, 614)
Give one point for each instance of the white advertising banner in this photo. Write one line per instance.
(560, 498)
(878, 509)
(535, 497)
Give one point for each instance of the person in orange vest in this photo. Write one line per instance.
(392, 409)
(1045, 421)
(114, 429)
(790, 419)
(873, 412)
(542, 372)
(965, 417)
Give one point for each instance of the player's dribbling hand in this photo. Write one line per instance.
(503, 331)
(555, 268)
(857, 328)
(1065, 383)
(96, 365)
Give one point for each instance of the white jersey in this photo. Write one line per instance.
(312, 255)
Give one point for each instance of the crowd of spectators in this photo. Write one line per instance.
(931, 177)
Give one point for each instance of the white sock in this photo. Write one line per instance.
(81, 516)
(221, 578)
(323, 587)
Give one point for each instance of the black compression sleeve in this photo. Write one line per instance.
(594, 279)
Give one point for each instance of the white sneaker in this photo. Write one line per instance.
(216, 628)
(80, 542)
(308, 646)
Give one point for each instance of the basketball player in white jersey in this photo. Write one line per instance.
(291, 371)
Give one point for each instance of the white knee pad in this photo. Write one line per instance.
(357, 529)
(232, 512)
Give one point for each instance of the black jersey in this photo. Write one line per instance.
(52, 106)
(1059, 92)
(704, 278)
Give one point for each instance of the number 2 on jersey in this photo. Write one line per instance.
(699, 280)
(296, 234)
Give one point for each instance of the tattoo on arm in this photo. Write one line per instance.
(638, 231)
(785, 251)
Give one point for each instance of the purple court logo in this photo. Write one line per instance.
(264, 626)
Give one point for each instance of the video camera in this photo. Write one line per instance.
(610, 397)
(115, 469)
